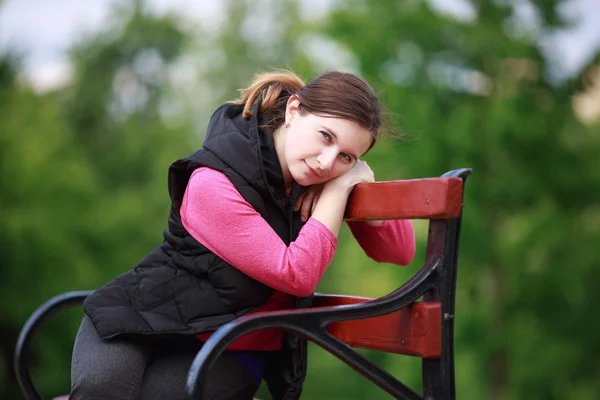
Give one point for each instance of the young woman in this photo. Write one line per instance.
(253, 225)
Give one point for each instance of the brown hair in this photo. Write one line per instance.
(338, 94)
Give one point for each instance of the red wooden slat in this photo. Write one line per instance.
(430, 198)
(414, 330)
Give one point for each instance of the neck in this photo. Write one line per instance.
(278, 138)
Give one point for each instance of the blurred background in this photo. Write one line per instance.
(97, 98)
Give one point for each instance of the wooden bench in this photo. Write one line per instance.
(417, 319)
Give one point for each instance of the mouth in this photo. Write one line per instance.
(312, 171)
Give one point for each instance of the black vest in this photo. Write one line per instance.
(181, 287)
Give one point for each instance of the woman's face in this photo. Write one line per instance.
(317, 149)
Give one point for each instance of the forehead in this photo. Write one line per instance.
(349, 134)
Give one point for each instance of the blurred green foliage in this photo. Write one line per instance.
(83, 175)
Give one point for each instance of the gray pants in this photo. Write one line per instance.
(147, 369)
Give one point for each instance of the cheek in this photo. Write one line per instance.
(290, 146)
(299, 146)
(294, 140)
(291, 152)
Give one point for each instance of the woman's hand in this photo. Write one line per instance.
(307, 202)
(359, 173)
(333, 198)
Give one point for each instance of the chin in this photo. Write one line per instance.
(303, 180)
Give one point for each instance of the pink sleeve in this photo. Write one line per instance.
(216, 215)
(392, 242)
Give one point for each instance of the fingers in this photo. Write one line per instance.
(299, 202)
(367, 172)
(360, 173)
(307, 205)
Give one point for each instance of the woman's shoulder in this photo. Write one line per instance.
(207, 176)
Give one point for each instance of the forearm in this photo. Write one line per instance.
(375, 222)
(216, 215)
(331, 206)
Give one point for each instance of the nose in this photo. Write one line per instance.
(327, 158)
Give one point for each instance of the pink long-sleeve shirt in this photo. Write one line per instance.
(217, 215)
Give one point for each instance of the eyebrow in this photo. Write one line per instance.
(332, 133)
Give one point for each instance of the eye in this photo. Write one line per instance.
(327, 136)
(346, 157)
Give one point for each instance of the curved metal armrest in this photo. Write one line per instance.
(35, 321)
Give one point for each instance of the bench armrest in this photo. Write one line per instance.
(33, 324)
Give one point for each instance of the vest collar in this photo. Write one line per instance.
(250, 151)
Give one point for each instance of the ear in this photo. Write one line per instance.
(292, 108)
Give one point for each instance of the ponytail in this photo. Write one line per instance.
(274, 88)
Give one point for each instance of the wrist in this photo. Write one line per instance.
(339, 185)
(376, 222)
